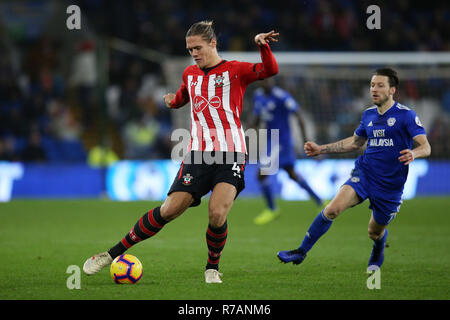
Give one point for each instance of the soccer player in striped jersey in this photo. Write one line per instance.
(215, 89)
(395, 137)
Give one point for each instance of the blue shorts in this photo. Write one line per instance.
(384, 205)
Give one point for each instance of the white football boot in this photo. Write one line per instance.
(96, 263)
(212, 276)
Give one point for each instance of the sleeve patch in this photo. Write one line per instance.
(418, 121)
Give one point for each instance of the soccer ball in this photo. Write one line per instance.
(126, 268)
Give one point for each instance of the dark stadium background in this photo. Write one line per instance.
(82, 123)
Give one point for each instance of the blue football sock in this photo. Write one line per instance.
(267, 193)
(303, 184)
(379, 244)
(320, 225)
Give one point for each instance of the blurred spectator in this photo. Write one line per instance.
(62, 123)
(84, 79)
(139, 136)
(7, 150)
(101, 156)
(34, 151)
(439, 135)
(304, 25)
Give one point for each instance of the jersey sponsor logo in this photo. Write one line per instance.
(391, 122)
(354, 179)
(381, 143)
(201, 103)
(370, 124)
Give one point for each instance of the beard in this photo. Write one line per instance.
(381, 102)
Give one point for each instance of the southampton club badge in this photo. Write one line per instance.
(218, 81)
(391, 122)
(187, 179)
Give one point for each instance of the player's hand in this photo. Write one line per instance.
(262, 38)
(312, 149)
(407, 156)
(168, 99)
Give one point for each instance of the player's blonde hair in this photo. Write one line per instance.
(204, 29)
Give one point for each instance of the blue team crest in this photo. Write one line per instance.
(391, 122)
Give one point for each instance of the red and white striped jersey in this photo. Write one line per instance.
(216, 97)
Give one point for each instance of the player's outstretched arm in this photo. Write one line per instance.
(349, 144)
(422, 150)
(269, 65)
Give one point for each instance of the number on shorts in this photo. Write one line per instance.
(237, 169)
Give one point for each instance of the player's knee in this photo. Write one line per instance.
(172, 209)
(374, 234)
(216, 219)
(332, 211)
(169, 212)
(218, 215)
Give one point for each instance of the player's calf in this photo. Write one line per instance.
(215, 241)
(146, 227)
(377, 256)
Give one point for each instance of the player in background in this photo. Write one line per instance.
(215, 89)
(274, 107)
(395, 137)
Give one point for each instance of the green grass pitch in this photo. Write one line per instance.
(40, 239)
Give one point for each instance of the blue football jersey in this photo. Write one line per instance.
(274, 109)
(386, 136)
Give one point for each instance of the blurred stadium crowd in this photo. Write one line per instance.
(50, 106)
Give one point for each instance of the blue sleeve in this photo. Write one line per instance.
(290, 103)
(361, 130)
(413, 124)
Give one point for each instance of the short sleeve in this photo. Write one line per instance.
(361, 130)
(413, 124)
(290, 103)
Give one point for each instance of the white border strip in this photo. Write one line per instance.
(337, 58)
